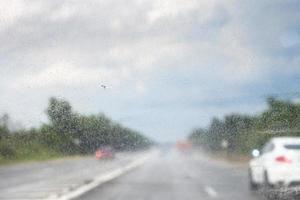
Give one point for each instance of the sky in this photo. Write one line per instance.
(169, 66)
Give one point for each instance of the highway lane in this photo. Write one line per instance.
(171, 175)
(178, 176)
(42, 180)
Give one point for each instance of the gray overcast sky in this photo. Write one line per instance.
(169, 65)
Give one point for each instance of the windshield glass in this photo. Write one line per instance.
(149, 99)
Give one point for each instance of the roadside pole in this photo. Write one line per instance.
(224, 145)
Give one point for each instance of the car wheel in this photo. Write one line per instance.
(252, 186)
(267, 184)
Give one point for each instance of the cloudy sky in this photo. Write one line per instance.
(169, 65)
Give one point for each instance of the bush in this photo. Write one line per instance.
(7, 151)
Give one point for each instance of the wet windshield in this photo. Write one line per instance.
(149, 99)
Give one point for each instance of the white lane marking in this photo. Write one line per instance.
(210, 191)
(99, 180)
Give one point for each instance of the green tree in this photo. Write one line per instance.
(60, 115)
(4, 119)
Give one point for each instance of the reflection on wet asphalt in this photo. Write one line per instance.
(178, 176)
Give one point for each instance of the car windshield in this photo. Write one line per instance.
(149, 99)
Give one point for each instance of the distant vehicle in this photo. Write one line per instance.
(277, 164)
(105, 152)
(183, 145)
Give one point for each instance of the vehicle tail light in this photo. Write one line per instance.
(98, 154)
(283, 159)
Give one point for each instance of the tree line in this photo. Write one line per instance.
(240, 133)
(67, 133)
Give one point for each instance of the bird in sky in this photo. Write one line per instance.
(103, 86)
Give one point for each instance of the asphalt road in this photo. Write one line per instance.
(174, 175)
(42, 180)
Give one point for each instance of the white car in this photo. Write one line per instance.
(277, 164)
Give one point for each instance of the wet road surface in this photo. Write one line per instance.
(44, 180)
(175, 175)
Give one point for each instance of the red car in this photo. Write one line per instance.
(105, 152)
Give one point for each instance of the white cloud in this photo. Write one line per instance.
(140, 87)
(174, 8)
(243, 63)
(11, 11)
(64, 74)
(14, 10)
(64, 12)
